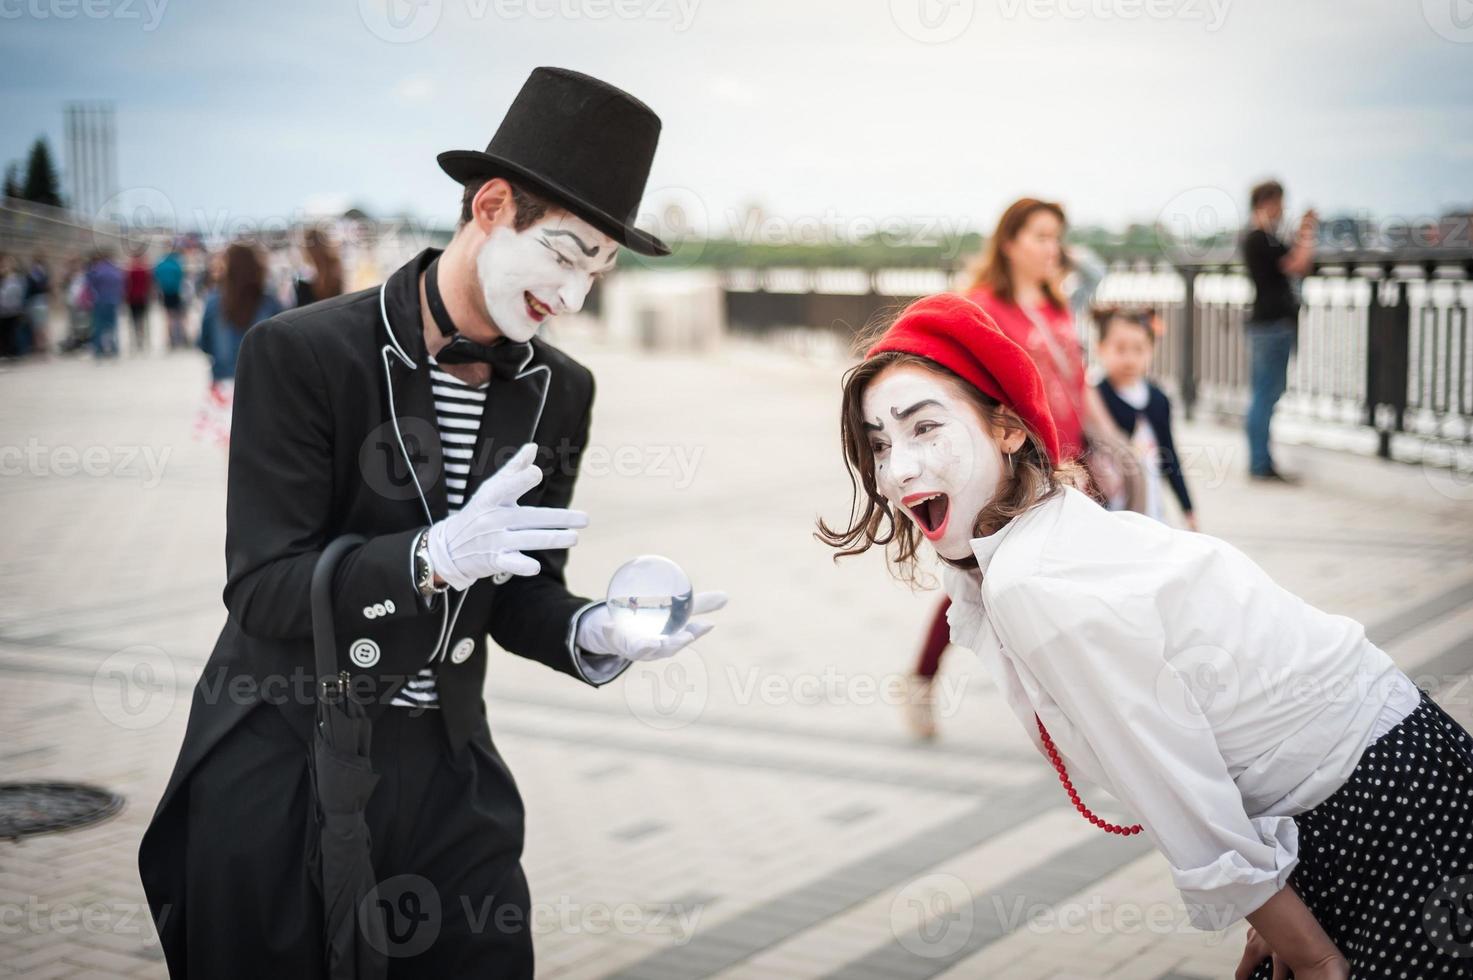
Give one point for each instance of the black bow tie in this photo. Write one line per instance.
(506, 357)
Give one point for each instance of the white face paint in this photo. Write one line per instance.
(935, 460)
(529, 277)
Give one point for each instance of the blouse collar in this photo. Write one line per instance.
(986, 546)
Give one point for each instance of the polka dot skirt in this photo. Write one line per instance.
(1386, 863)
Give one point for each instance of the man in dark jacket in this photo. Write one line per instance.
(1272, 325)
(428, 417)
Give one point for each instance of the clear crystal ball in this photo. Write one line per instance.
(650, 596)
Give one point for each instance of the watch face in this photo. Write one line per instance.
(422, 572)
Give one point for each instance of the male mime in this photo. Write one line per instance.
(427, 416)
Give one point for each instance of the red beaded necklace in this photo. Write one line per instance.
(1053, 756)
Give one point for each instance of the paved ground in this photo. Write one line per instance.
(753, 809)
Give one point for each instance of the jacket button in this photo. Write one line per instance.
(363, 652)
(368, 612)
(379, 609)
(388, 605)
(500, 577)
(462, 650)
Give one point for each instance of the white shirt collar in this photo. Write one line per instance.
(1136, 395)
(986, 546)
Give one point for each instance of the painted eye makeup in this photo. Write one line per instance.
(562, 259)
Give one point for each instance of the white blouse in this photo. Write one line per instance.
(1175, 674)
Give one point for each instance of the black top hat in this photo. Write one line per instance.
(579, 141)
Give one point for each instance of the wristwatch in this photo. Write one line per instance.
(424, 573)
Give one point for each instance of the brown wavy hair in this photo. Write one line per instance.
(872, 521)
(992, 270)
(242, 284)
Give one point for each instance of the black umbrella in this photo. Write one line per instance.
(342, 781)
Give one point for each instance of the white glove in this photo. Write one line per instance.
(489, 534)
(598, 632)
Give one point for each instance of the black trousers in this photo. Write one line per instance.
(447, 831)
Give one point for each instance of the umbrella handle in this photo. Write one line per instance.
(324, 638)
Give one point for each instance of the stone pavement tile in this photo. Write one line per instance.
(37, 958)
(56, 968)
(83, 954)
(884, 916)
(1149, 965)
(1134, 915)
(1004, 964)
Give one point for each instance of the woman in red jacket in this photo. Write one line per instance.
(1017, 281)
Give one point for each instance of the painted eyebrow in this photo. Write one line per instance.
(582, 246)
(904, 414)
(874, 427)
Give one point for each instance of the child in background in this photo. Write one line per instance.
(1127, 340)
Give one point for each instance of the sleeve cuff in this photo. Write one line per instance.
(594, 668)
(1221, 893)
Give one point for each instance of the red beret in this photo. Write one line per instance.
(958, 334)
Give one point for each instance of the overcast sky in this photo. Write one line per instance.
(841, 112)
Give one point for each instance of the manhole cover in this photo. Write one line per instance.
(37, 808)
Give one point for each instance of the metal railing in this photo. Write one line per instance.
(1383, 336)
(1383, 341)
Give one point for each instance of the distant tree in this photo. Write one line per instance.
(12, 181)
(42, 185)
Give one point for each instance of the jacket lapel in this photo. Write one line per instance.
(415, 405)
(417, 472)
(512, 410)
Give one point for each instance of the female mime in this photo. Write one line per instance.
(1286, 769)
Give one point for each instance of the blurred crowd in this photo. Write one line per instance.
(207, 299)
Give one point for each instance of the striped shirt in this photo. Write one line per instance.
(458, 411)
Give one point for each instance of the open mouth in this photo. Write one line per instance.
(931, 512)
(536, 309)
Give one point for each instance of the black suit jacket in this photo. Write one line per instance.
(333, 432)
